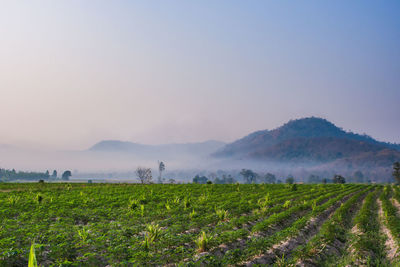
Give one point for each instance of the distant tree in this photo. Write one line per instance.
(47, 174)
(338, 179)
(209, 182)
(314, 179)
(228, 179)
(65, 176)
(324, 181)
(358, 177)
(90, 181)
(249, 176)
(289, 179)
(54, 175)
(172, 181)
(279, 181)
(396, 172)
(200, 179)
(270, 178)
(144, 175)
(161, 168)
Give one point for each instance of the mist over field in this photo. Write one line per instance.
(299, 148)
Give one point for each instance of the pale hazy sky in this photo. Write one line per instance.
(76, 72)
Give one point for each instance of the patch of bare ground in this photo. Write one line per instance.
(285, 248)
(392, 249)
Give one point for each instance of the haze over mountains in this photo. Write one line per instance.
(308, 145)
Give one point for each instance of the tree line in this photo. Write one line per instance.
(12, 175)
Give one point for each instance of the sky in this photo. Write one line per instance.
(73, 73)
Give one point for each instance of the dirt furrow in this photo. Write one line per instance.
(392, 249)
(285, 248)
(396, 204)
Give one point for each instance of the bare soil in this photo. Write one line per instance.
(285, 248)
(392, 249)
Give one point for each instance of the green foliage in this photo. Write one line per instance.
(39, 198)
(203, 241)
(32, 257)
(130, 225)
(222, 214)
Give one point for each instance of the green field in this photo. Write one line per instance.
(193, 225)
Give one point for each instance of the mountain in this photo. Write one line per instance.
(310, 140)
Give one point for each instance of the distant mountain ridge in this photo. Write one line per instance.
(307, 140)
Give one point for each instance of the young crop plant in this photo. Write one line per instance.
(264, 202)
(39, 198)
(142, 210)
(186, 203)
(83, 234)
(222, 214)
(13, 199)
(167, 206)
(203, 241)
(192, 214)
(133, 204)
(152, 234)
(32, 257)
(203, 198)
(314, 204)
(148, 241)
(287, 204)
(154, 231)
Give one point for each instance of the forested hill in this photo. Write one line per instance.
(310, 140)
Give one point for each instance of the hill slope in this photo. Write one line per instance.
(309, 140)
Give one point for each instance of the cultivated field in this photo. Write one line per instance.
(212, 225)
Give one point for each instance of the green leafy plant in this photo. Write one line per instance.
(13, 199)
(186, 203)
(154, 230)
(32, 257)
(192, 214)
(222, 214)
(39, 198)
(142, 210)
(287, 204)
(168, 206)
(83, 234)
(133, 204)
(203, 241)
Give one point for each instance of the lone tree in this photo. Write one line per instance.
(269, 178)
(396, 171)
(249, 176)
(65, 176)
(161, 168)
(338, 179)
(289, 179)
(54, 175)
(144, 175)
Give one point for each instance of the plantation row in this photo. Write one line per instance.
(190, 225)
